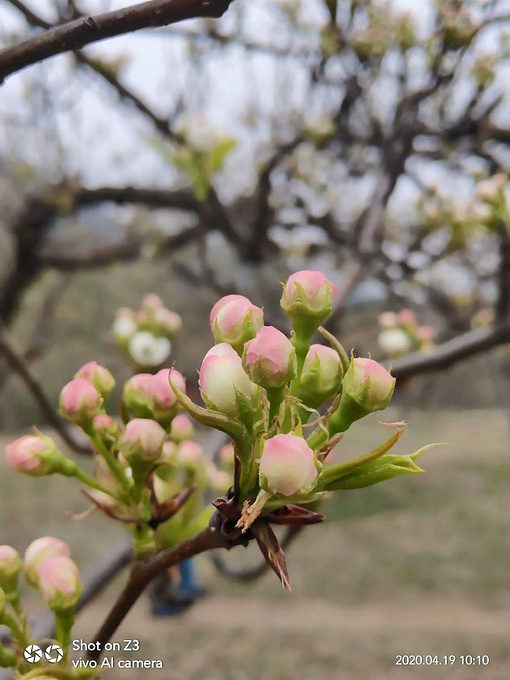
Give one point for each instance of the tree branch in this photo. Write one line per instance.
(143, 573)
(17, 364)
(445, 355)
(90, 29)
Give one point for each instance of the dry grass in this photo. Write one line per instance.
(415, 566)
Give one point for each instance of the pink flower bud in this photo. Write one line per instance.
(369, 384)
(163, 396)
(168, 322)
(106, 427)
(152, 301)
(407, 318)
(308, 295)
(10, 567)
(189, 454)
(142, 440)
(287, 465)
(227, 456)
(40, 550)
(388, 320)
(234, 320)
(270, 358)
(80, 401)
(394, 341)
(182, 428)
(99, 376)
(34, 455)
(222, 380)
(321, 378)
(60, 583)
(169, 451)
(137, 394)
(426, 334)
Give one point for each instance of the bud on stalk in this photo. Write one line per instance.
(60, 583)
(367, 387)
(321, 378)
(287, 466)
(10, 567)
(80, 401)
(99, 376)
(235, 320)
(38, 552)
(224, 385)
(308, 300)
(37, 455)
(182, 427)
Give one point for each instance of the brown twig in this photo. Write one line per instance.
(142, 574)
(90, 29)
(18, 365)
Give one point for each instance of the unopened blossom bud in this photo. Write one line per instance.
(287, 465)
(164, 401)
(189, 454)
(388, 320)
(124, 326)
(168, 322)
(60, 583)
(223, 381)
(169, 454)
(270, 358)
(182, 428)
(40, 550)
(142, 440)
(80, 401)
(321, 378)
(99, 376)
(227, 456)
(234, 320)
(367, 387)
(10, 567)
(308, 300)
(152, 301)
(426, 334)
(394, 342)
(106, 427)
(36, 455)
(407, 319)
(137, 394)
(148, 350)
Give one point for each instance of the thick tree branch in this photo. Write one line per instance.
(143, 573)
(86, 30)
(445, 355)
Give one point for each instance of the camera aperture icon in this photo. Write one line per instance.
(33, 654)
(54, 654)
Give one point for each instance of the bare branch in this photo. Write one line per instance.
(86, 30)
(17, 364)
(445, 355)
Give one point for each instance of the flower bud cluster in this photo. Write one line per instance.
(400, 333)
(146, 335)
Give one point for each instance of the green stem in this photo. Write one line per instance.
(302, 344)
(110, 459)
(16, 629)
(64, 622)
(90, 481)
(275, 397)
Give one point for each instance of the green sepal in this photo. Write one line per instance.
(332, 473)
(383, 468)
(233, 427)
(339, 349)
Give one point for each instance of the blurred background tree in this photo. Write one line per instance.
(366, 139)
